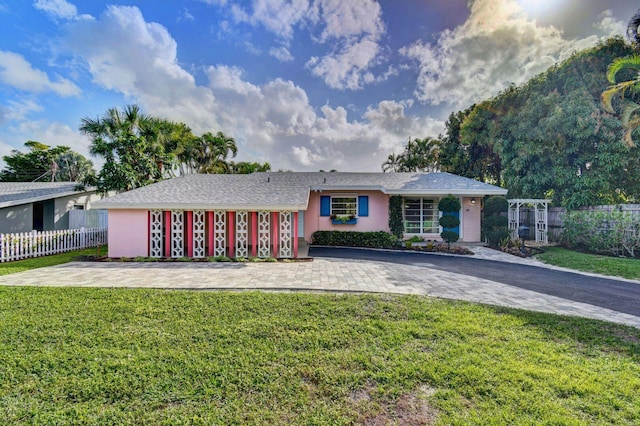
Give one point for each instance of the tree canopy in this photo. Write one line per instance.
(548, 138)
(44, 163)
(140, 149)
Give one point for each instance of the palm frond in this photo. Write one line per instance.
(620, 64)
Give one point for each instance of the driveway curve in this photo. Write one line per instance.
(610, 293)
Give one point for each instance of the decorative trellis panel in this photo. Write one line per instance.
(177, 234)
(264, 239)
(242, 234)
(198, 233)
(541, 223)
(156, 248)
(219, 233)
(285, 235)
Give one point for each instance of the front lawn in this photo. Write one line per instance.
(116, 356)
(607, 265)
(53, 259)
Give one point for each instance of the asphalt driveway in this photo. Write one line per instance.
(610, 293)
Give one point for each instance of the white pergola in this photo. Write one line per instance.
(541, 214)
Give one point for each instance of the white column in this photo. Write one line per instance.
(198, 234)
(264, 238)
(219, 233)
(177, 233)
(285, 249)
(242, 234)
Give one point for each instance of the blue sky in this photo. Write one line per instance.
(303, 84)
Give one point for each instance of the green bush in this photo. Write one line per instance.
(396, 225)
(495, 227)
(613, 233)
(449, 204)
(448, 222)
(449, 236)
(378, 239)
(495, 205)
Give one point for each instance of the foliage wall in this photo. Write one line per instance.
(549, 138)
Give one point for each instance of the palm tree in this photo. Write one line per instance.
(393, 163)
(628, 69)
(133, 145)
(209, 153)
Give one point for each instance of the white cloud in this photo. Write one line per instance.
(281, 53)
(609, 25)
(350, 29)
(57, 8)
(496, 46)
(17, 72)
(272, 122)
(278, 16)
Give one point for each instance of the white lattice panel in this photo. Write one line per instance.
(155, 234)
(242, 234)
(285, 235)
(219, 233)
(198, 233)
(177, 234)
(264, 238)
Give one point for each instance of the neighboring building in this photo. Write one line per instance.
(264, 214)
(40, 206)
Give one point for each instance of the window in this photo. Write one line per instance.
(344, 205)
(78, 207)
(421, 215)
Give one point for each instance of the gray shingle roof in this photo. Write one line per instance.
(284, 190)
(18, 193)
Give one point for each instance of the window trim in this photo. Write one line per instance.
(435, 201)
(355, 198)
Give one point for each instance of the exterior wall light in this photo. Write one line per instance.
(473, 201)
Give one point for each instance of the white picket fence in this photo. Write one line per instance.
(35, 244)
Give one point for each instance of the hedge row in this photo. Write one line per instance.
(378, 239)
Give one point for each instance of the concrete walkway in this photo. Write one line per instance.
(336, 275)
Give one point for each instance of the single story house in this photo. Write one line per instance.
(40, 206)
(264, 214)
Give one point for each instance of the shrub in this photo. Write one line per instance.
(495, 226)
(613, 233)
(378, 239)
(396, 225)
(495, 205)
(449, 204)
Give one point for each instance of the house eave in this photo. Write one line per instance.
(225, 207)
(30, 200)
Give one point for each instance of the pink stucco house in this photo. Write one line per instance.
(265, 214)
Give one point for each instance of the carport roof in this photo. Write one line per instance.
(279, 191)
(19, 193)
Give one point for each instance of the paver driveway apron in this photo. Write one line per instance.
(323, 274)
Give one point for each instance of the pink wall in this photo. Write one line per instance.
(378, 219)
(471, 220)
(128, 233)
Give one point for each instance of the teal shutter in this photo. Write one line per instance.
(363, 206)
(325, 205)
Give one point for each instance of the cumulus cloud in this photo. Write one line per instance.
(609, 25)
(496, 46)
(17, 72)
(281, 53)
(57, 8)
(350, 29)
(273, 121)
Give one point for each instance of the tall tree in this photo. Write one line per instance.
(420, 155)
(624, 76)
(42, 163)
(209, 153)
(138, 149)
(244, 167)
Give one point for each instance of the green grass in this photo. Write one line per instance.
(115, 356)
(40, 262)
(614, 266)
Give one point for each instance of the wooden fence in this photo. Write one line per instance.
(555, 216)
(35, 244)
